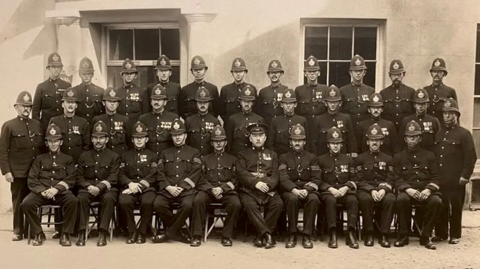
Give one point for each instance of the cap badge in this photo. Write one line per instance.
(158, 91)
(335, 134)
(411, 128)
(139, 129)
(86, 65)
(311, 62)
(55, 57)
(448, 104)
(376, 99)
(332, 93)
(53, 131)
(274, 64)
(203, 93)
(374, 131)
(26, 98)
(297, 131)
(70, 93)
(288, 94)
(196, 61)
(128, 65)
(112, 93)
(218, 132)
(163, 62)
(238, 63)
(176, 126)
(358, 62)
(421, 94)
(437, 63)
(98, 128)
(395, 66)
(247, 91)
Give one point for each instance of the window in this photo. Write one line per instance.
(143, 44)
(476, 100)
(335, 45)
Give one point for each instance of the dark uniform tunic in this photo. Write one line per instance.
(355, 101)
(438, 95)
(188, 106)
(338, 171)
(390, 143)
(138, 166)
(173, 90)
(326, 121)
(268, 102)
(455, 151)
(75, 133)
(117, 130)
(229, 102)
(47, 101)
(300, 170)
(429, 125)
(278, 138)
(398, 103)
(254, 165)
(311, 103)
(89, 101)
(21, 140)
(99, 169)
(134, 102)
(376, 172)
(236, 130)
(417, 169)
(199, 129)
(218, 171)
(51, 170)
(158, 128)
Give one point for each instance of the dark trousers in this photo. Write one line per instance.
(349, 200)
(431, 212)
(453, 199)
(127, 202)
(67, 201)
(107, 200)
(232, 207)
(273, 209)
(310, 208)
(161, 205)
(19, 189)
(383, 211)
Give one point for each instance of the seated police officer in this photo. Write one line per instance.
(50, 179)
(299, 181)
(418, 184)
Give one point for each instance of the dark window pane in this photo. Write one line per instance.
(369, 78)
(147, 44)
(476, 141)
(476, 114)
(323, 74)
(366, 42)
(339, 75)
(175, 74)
(145, 76)
(340, 43)
(316, 39)
(477, 79)
(120, 44)
(170, 39)
(113, 76)
(478, 45)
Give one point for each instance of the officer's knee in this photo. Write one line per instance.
(435, 201)
(402, 198)
(388, 199)
(351, 200)
(329, 200)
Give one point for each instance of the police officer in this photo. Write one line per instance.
(355, 95)
(220, 186)
(236, 125)
(133, 99)
(333, 118)
(50, 179)
(257, 172)
(375, 108)
(418, 183)
(116, 123)
(200, 126)
(75, 130)
(137, 184)
(338, 185)
(456, 155)
(97, 177)
(269, 98)
(178, 174)
(281, 125)
(310, 95)
(48, 95)
(299, 181)
(21, 140)
(89, 95)
(375, 193)
(428, 123)
(397, 97)
(229, 93)
(158, 121)
(438, 91)
(163, 70)
(187, 105)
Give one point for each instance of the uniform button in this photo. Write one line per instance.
(441, 156)
(176, 166)
(53, 172)
(443, 147)
(177, 175)
(440, 164)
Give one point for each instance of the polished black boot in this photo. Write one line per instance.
(37, 241)
(307, 242)
(196, 242)
(56, 235)
(81, 239)
(102, 239)
(17, 237)
(161, 238)
(269, 242)
(427, 242)
(226, 241)
(439, 238)
(258, 241)
(384, 242)
(401, 241)
(142, 238)
(332, 243)
(292, 241)
(369, 241)
(65, 240)
(352, 239)
(132, 238)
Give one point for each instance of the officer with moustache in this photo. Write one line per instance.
(299, 182)
(89, 95)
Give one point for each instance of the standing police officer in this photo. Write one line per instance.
(89, 95)
(21, 141)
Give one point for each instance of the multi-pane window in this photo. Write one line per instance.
(476, 100)
(143, 44)
(334, 46)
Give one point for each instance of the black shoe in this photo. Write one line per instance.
(196, 242)
(439, 238)
(453, 241)
(43, 236)
(401, 241)
(65, 240)
(162, 238)
(185, 237)
(81, 239)
(369, 241)
(352, 240)
(258, 241)
(384, 242)
(141, 239)
(332, 243)
(37, 241)
(132, 238)
(427, 242)
(292, 241)
(102, 239)
(17, 237)
(56, 235)
(307, 242)
(269, 242)
(226, 242)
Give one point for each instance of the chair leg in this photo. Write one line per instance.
(205, 235)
